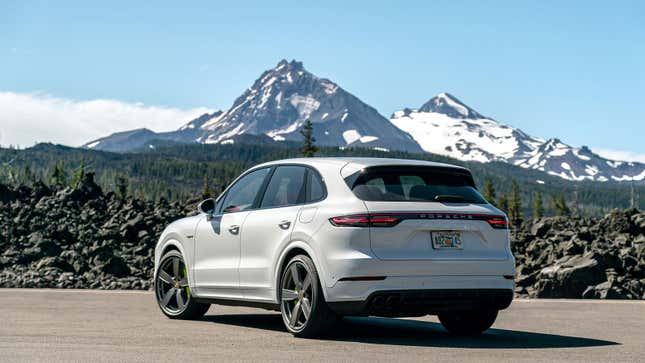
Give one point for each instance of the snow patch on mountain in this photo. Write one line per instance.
(350, 136)
(304, 105)
(446, 126)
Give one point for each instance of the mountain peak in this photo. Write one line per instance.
(283, 97)
(554, 142)
(449, 105)
(285, 65)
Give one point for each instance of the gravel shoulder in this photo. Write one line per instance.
(83, 325)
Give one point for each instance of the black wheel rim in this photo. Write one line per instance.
(171, 285)
(297, 295)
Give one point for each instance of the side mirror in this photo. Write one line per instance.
(207, 206)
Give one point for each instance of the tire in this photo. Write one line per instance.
(172, 291)
(468, 322)
(300, 293)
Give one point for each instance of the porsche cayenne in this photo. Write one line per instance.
(322, 238)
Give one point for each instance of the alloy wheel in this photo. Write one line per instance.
(297, 294)
(173, 293)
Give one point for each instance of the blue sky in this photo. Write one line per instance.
(573, 70)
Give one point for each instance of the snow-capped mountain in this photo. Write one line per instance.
(446, 126)
(136, 139)
(277, 104)
(284, 97)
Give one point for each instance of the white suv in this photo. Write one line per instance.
(319, 238)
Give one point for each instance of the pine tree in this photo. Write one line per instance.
(58, 178)
(538, 208)
(502, 202)
(559, 206)
(308, 149)
(489, 192)
(79, 174)
(121, 186)
(12, 176)
(206, 189)
(515, 204)
(562, 207)
(28, 175)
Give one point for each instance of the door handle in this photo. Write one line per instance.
(284, 224)
(234, 229)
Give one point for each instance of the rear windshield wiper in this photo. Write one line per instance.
(450, 198)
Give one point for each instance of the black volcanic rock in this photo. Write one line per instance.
(6, 194)
(72, 238)
(96, 240)
(565, 257)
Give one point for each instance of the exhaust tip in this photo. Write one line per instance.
(378, 302)
(392, 301)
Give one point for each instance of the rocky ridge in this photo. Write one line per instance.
(83, 237)
(79, 237)
(565, 257)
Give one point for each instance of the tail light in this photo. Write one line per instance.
(498, 222)
(360, 220)
(390, 220)
(365, 220)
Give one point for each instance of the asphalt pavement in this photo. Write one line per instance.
(97, 326)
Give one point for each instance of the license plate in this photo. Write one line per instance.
(446, 240)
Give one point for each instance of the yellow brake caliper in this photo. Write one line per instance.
(187, 287)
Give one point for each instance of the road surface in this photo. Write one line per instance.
(96, 326)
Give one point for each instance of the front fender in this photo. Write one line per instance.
(180, 236)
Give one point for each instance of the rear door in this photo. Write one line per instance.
(429, 213)
(269, 228)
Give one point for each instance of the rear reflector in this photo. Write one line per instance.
(392, 219)
(363, 278)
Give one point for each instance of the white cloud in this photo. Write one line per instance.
(27, 118)
(620, 155)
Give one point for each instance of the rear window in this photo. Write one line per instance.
(414, 184)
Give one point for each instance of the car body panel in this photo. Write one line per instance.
(410, 239)
(217, 254)
(263, 237)
(401, 254)
(179, 235)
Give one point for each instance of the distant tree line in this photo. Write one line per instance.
(192, 171)
(513, 206)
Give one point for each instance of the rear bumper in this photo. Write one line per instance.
(362, 290)
(423, 302)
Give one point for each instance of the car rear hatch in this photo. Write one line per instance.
(429, 213)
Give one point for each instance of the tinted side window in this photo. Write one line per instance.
(315, 187)
(287, 187)
(243, 193)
